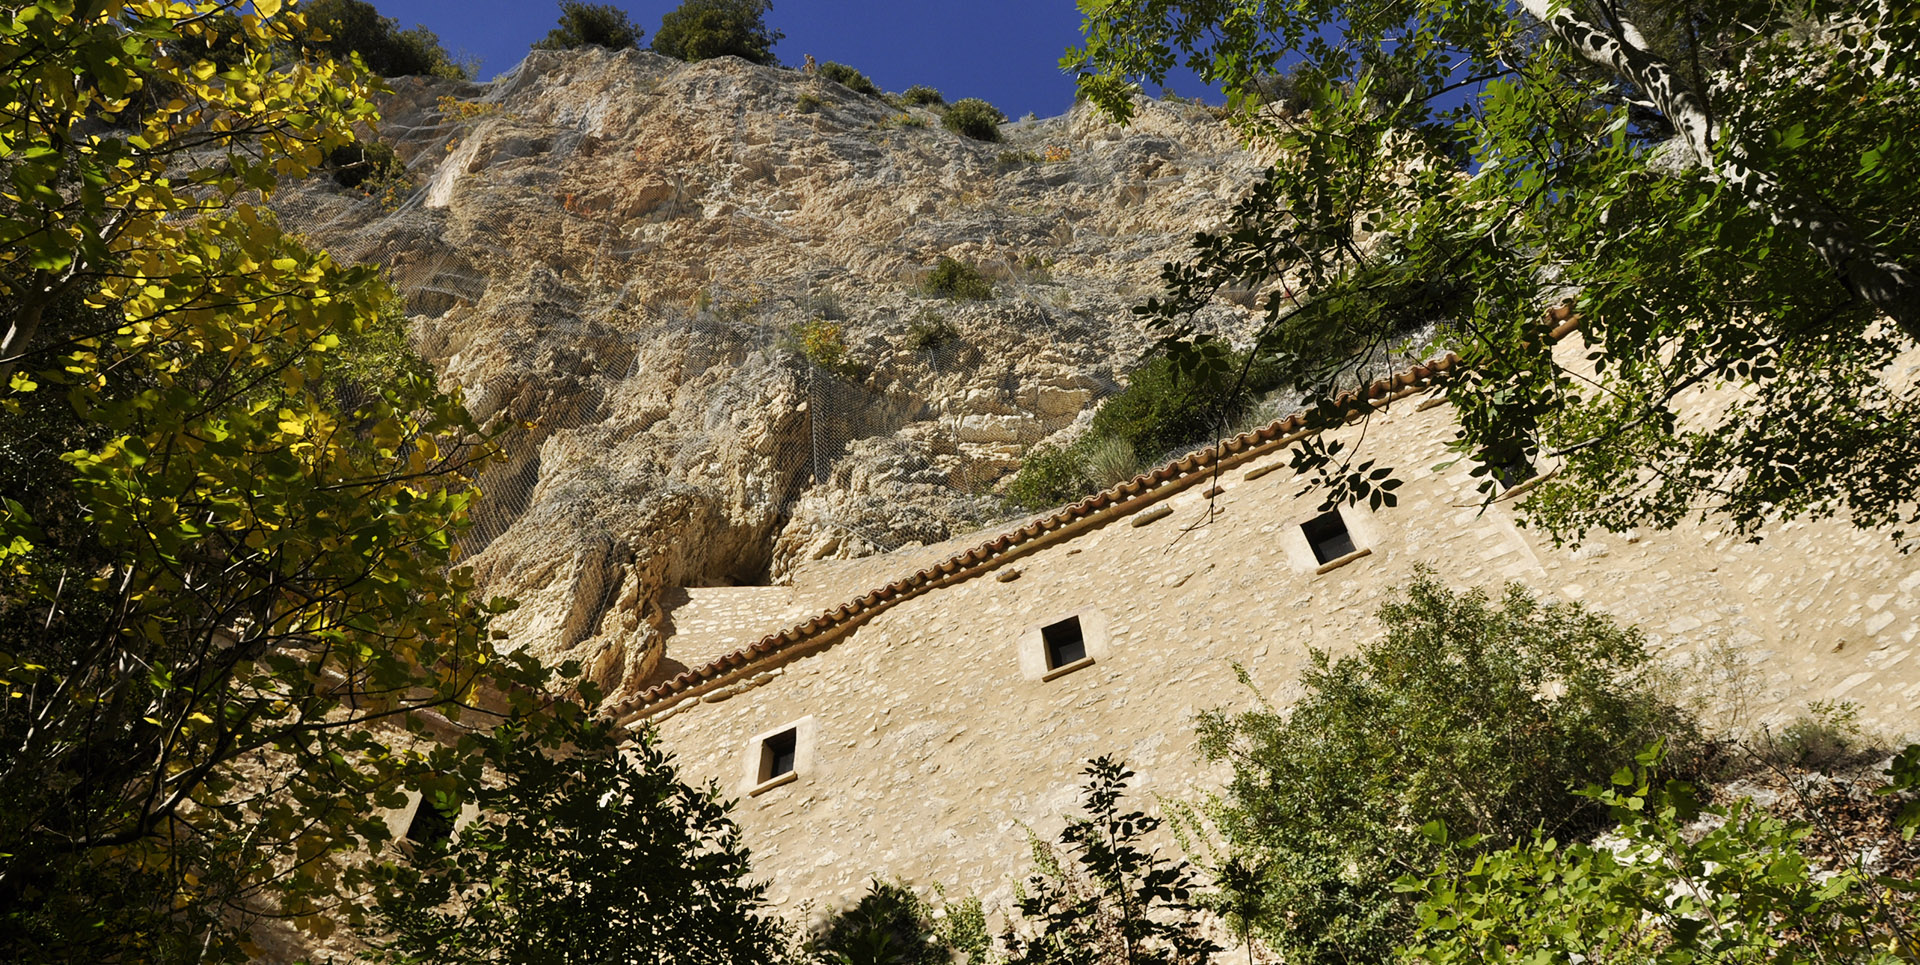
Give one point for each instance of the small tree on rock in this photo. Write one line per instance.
(591, 25)
(702, 29)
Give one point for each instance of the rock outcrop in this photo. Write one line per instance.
(696, 291)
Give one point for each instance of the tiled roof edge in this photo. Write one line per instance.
(1119, 500)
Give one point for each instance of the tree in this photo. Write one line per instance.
(587, 849)
(701, 29)
(1481, 717)
(1118, 903)
(355, 27)
(889, 925)
(591, 24)
(231, 499)
(1719, 187)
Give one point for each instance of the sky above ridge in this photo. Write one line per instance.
(1004, 51)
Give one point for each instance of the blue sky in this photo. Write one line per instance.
(1004, 51)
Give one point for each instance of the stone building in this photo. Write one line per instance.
(920, 708)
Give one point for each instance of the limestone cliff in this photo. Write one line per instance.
(629, 257)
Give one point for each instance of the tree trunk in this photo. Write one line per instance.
(1884, 282)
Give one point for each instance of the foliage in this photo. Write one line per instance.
(1717, 186)
(930, 330)
(1476, 715)
(974, 118)
(231, 498)
(1744, 891)
(889, 925)
(355, 163)
(1109, 461)
(824, 344)
(1049, 475)
(1116, 904)
(700, 29)
(1165, 406)
(952, 278)
(849, 78)
(806, 103)
(355, 27)
(591, 24)
(1827, 737)
(588, 848)
(921, 95)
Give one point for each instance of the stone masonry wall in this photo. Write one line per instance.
(930, 749)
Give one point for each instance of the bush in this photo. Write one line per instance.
(849, 78)
(888, 924)
(1048, 476)
(703, 29)
(1101, 896)
(922, 95)
(806, 103)
(591, 25)
(974, 118)
(1109, 461)
(951, 278)
(1827, 737)
(930, 330)
(353, 164)
(1742, 885)
(824, 344)
(1163, 408)
(1482, 717)
(354, 26)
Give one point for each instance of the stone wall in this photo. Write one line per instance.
(931, 751)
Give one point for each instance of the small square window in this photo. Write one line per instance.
(1066, 643)
(779, 754)
(430, 827)
(1327, 534)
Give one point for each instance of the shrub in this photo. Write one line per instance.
(1742, 885)
(1048, 476)
(974, 118)
(824, 344)
(922, 95)
(1101, 896)
(352, 164)
(1163, 407)
(591, 25)
(951, 278)
(703, 29)
(1109, 461)
(1014, 159)
(1827, 737)
(930, 330)
(806, 104)
(888, 924)
(354, 26)
(1479, 716)
(849, 78)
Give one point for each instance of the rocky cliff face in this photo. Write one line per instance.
(697, 288)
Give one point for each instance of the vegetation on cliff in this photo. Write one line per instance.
(702, 29)
(591, 25)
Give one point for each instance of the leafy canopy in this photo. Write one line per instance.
(702, 29)
(1720, 188)
(591, 24)
(587, 848)
(227, 538)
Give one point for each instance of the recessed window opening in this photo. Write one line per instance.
(1066, 643)
(1327, 534)
(429, 827)
(779, 754)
